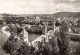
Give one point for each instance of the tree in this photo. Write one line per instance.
(7, 47)
(75, 38)
(63, 39)
(13, 46)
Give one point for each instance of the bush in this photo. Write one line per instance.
(35, 30)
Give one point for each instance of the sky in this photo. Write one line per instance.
(39, 6)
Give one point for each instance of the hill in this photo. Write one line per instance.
(67, 14)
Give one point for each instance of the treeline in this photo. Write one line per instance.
(75, 38)
(35, 30)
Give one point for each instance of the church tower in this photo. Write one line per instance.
(24, 33)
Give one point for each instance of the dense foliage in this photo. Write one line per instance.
(35, 29)
(13, 46)
(63, 40)
(75, 38)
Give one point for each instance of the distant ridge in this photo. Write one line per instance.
(67, 14)
(55, 15)
(24, 15)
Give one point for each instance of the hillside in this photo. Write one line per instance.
(67, 14)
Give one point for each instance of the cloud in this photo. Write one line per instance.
(38, 6)
(65, 7)
(66, 1)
